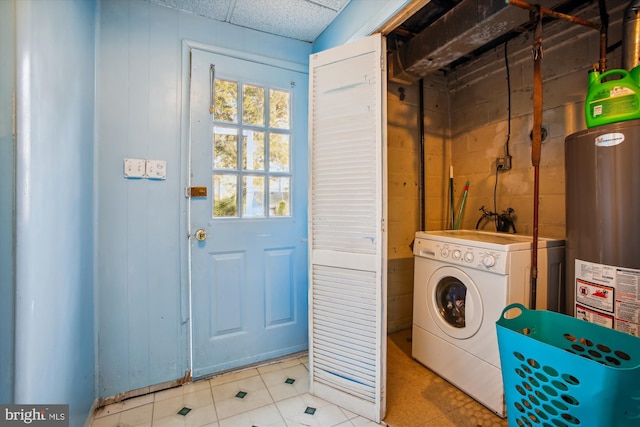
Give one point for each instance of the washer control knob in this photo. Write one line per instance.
(489, 260)
(468, 257)
(444, 252)
(456, 254)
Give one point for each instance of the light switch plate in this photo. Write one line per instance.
(134, 168)
(156, 169)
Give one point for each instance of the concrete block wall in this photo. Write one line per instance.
(437, 141)
(479, 121)
(403, 154)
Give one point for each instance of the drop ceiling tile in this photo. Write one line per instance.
(297, 19)
(336, 5)
(217, 9)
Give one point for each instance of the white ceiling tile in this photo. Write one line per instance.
(298, 19)
(215, 9)
(336, 5)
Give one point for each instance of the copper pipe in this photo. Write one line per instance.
(534, 244)
(604, 28)
(524, 5)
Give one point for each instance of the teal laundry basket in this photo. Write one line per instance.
(559, 371)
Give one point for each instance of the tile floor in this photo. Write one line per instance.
(274, 395)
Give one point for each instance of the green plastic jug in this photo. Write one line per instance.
(613, 100)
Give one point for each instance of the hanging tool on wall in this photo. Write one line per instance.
(451, 204)
(464, 199)
(536, 14)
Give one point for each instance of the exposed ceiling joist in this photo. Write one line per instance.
(468, 26)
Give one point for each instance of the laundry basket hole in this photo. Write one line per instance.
(527, 404)
(612, 360)
(577, 347)
(526, 422)
(550, 410)
(570, 379)
(541, 395)
(526, 331)
(570, 337)
(550, 371)
(603, 348)
(519, 407)
(542, 377)
(559, 405)
(550, 390)
(521, 373)
(533, 418)
(526, 369)
(595, 354)
(570, 419)
(559, 423)
(560, 385)
(533, 363)
(586, 342)
(570, 399)
(533, 382)
(622, 355)
(533, 400)
(521, 390)
(519, 356)
(542, 414)
(527, 386)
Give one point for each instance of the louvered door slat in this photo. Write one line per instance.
(347, 241)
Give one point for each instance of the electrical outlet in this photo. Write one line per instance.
(503, 163)
(134, 168)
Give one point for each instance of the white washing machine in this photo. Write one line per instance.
(463, 281)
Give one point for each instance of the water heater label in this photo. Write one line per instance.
(609, 139)
(608, 295)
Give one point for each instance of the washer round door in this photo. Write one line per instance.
(454, 302)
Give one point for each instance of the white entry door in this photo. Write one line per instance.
(247, 211)
(347, 234)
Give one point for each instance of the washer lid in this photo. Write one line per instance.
(487, 239)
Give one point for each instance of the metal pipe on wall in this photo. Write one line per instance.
(422, 169)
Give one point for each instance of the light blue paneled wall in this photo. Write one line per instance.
(54, 327)
(358, 19)
(142, 311)
(7, 202)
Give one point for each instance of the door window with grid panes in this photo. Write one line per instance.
(251, 150)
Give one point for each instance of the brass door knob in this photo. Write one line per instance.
(200, 235)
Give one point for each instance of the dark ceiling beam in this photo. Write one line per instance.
(468, 26)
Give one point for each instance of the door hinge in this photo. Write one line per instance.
(195, 192)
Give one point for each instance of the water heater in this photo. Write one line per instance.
(602, 166)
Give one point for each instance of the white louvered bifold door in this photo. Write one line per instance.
(347, 202)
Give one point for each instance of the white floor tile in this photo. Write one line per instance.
(239, 420)
(233, 376)
(168, 393)
(201, 416)
(196, 386)
(198, 399)
(266, 416)
(106, 420)
(135, 402)
(282, 391)
(170, 421)
(229, 407)
(167, 407)
(137, 416)
(329, 415)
